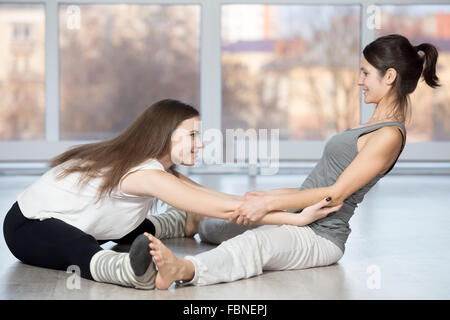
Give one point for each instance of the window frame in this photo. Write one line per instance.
(210, 82)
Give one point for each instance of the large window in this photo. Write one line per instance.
(430, 119)
(22, 72)
(116, 60)
(292, 67)
(77, 71)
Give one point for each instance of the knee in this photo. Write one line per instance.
(216, 231)
(14, 241)
(210, 230)
(10, 224)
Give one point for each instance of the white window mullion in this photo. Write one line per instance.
(367, 36)
(210, 64)
(51, 72)
(210, 67)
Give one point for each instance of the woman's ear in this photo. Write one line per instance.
(390, 76)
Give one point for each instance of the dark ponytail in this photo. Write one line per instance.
(395, 51)
(429, 70)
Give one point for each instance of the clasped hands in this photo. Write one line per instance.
(252, 209)
(255, 206)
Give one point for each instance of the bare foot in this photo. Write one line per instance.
(191, 225)
(170, 267)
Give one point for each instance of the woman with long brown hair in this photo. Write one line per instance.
(103, 191)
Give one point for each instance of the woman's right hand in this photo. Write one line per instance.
(317, 211)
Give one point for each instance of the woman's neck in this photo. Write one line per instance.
(383, 112)
(165, 161)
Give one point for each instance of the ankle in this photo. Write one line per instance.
(192, 224)
(186, 271)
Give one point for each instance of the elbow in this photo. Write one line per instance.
(337, 195)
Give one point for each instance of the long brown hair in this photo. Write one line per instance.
(395, 51)
(149, 136)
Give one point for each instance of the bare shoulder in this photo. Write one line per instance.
(386, 139)
(140, 182)
(391, 133)
(144, 174)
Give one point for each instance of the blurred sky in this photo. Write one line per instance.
(305, 19)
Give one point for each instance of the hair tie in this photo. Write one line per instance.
(420, 52)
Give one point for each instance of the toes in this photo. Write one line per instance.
(149, 236)
(155, 240)
(159, 262)
(152, 238)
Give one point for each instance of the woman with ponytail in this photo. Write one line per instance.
(352, 163)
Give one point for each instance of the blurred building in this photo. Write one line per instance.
(22, 72)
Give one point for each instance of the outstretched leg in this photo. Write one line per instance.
(245, 256)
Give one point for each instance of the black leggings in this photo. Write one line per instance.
(54, 244)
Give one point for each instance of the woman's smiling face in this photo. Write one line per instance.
(373, 85)
(186, 142)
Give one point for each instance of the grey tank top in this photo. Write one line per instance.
(339, 152)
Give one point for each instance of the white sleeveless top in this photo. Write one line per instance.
(110, 218)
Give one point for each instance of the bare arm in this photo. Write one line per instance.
(274, 217)
(282, 191)
(171, 190)
(379, 153)
(308, 215)
(271, 192)
(256, 207)
(300, 199)
(376, 156)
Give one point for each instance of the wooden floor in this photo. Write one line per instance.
(399, 248)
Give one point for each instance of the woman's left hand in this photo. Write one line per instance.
(318, 211)
(253, 209)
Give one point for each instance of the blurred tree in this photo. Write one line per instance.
(120, 62)
(266, 99)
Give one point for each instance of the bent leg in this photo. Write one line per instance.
(54, 244)
(168, 224)
(49, 243)
(277, 248)
(145, 226)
